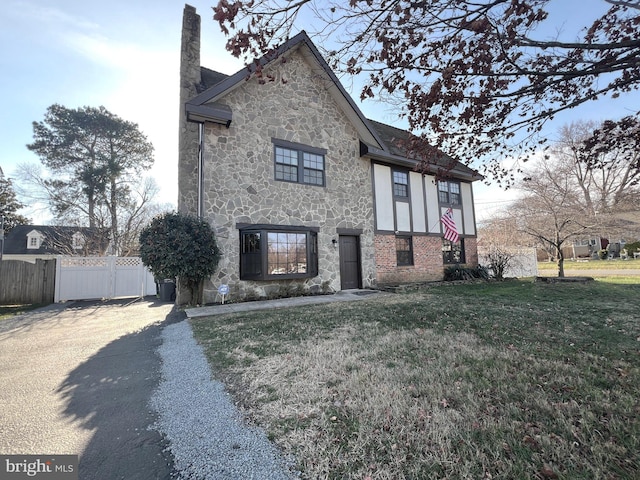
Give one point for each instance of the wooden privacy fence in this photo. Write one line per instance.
(73, 278)
(24, 282)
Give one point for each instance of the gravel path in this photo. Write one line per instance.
(207, 435)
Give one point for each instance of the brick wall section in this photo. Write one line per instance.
(471, 251)
(427, 259)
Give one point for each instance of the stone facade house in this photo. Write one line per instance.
(302, 190)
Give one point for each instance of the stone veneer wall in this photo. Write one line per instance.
(188, 136)
(427, 260)
(239, 185)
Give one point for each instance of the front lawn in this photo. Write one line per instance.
(510, 380)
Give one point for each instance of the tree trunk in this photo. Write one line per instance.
(196, 289)
(114, 217)
(92, 211)
(561, 266)
(560, 256)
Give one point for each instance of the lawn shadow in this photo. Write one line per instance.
(109, 394)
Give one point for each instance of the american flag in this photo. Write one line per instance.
(450, 230)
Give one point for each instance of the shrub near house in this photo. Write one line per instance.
(183, 247)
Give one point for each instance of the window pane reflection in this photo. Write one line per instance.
(287, 253)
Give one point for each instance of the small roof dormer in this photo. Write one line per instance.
(78, 241)
(34, 239)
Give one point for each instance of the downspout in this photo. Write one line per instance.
(200, 170)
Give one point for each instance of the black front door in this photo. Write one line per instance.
(349, 262)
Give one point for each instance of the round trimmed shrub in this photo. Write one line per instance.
(175, 245)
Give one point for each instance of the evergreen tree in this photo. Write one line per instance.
(95, 157)
(9, 205)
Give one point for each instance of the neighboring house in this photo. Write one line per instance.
(586, 247)
(589, 247)
(30, 242)
(301, 189)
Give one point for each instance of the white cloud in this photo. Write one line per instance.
(45, 15)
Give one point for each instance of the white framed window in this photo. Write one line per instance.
(34, 240)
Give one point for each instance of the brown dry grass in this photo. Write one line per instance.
(456, 383)
(349, 401)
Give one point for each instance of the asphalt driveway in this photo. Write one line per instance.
(76, 379)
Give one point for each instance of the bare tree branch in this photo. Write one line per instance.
(477, 78)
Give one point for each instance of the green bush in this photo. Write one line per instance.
(632, 247)
(458, 272)
(180, 246)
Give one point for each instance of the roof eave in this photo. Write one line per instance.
(209, 113)
(384, 156)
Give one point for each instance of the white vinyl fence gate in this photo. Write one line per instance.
(88, 278)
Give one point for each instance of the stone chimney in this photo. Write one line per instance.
(188, 140)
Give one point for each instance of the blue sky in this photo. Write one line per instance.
(124, 55)
(120, 54)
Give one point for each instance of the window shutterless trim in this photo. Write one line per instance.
(448, 193)
(298, 146)
(447, 255)
(400, 189)
(298, 163)
(276, 228)
(408, 252)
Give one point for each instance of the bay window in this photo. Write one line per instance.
(273, 252)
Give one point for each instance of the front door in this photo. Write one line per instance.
(349, 262)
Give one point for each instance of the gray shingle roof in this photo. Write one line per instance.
(397, 141)
(57, 240)
(209, 79)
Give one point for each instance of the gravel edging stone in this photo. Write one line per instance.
(208, 437)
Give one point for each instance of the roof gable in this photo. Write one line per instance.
(205, 106)
(35, 232)
(378, 140)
